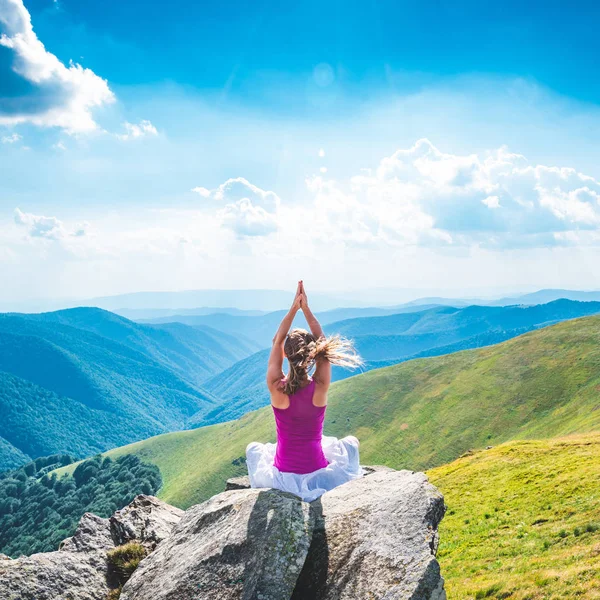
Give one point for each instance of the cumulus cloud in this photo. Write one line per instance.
(49, 228)
(423, 196)
(37, 87)
(133, 131)
(249, 210)
(11, 139)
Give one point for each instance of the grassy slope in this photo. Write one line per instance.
(523, 520)
(418, 414)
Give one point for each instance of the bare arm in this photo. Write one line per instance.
(275, 365)
(313, 323)
(322, 375)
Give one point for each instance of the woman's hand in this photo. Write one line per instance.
(303, 297)
(297, 303)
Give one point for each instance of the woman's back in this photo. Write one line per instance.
(299, 433)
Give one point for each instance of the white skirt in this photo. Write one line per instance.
(343, 467)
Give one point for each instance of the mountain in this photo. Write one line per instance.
(418, 414)
(270, 300)
(84, 380)
(544, 296)
(522, 520)
(147, 314)
(423, 328)
(387, 340)
(261, 328)
(197, 353)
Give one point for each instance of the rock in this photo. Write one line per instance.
(147, 520)
(246, 543)
(375, 537)
(369, 470)
(79, 569)
(92, 535)
(237, 483)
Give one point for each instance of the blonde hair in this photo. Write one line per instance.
(303, 350)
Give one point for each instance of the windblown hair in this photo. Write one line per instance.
(303, 351)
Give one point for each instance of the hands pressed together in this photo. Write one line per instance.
(300, 300)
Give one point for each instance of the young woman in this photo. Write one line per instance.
(303, 461)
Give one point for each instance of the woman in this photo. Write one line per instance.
(303, 461)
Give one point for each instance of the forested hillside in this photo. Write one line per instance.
(38, 511)
(84, 380)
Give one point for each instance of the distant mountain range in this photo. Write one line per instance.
(260, 329)
(84, 380)
(387, 340)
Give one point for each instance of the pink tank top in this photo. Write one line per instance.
(299, 433)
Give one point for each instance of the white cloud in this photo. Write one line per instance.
(204, 192)
(50, 94)
(133, 131)
(249, 210)
(11, 139)
(422, 196)
(321, 152)
(491, 202)
(49, 228)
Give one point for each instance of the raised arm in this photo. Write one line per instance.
(313, 323)
(275, 366)
(322, 374)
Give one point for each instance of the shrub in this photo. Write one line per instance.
(124, 560)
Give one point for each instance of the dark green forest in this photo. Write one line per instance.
(38, 509)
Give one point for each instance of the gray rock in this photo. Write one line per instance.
(242, 544)
(146, 519)
(79, 569)
(92, 535)
(237, 483)
(54, 576)
(369, 470)
(375, 538)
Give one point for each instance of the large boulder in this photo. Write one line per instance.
(245, 543)
(79, 569)
(376, 538)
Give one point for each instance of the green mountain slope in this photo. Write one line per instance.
(391, 339)
(418, 414)
(196, 353)
(522, 520)
(84, 380)
(37, 422)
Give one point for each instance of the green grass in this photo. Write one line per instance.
(523, 520)
(417, 415)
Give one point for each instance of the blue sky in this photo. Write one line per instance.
(444, 146)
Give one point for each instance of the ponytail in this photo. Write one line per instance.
(303, 351)
(337, 350)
